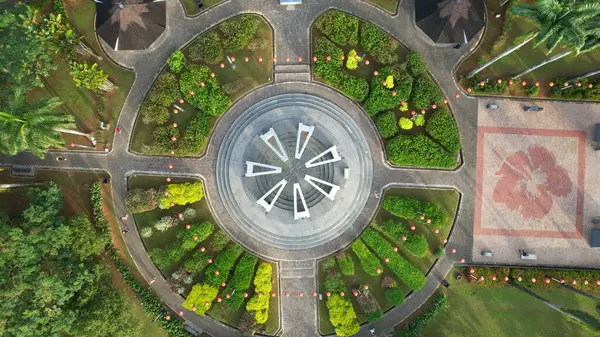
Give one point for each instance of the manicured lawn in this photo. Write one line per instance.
(482, 311)
(192, 9)
(388, 5)
(526, 56)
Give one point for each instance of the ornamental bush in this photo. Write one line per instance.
(334, 282)
(419, 120)
(381, 98)
(263, 284)
(209, 98)
(442, 128)
(219, 241)
(199, 296)
(389, 82)
(165, 223)
(339, 27)
(342, 315)
(392, 229)
(197, 132)
(418, 150)
(154, 113)
(406, 272)
(189, 213)
(369, 262)
(405, 123)
(200, 231)
(346, 263)
(415, 63)
(164, 258)
(161, 137)
(240, 281)
(207, 47)
(176, 61)
(141, 200)
(440, 304)
(352, 60)
(378, 43)
(424, 92)
(386, 124)
(146, 232)
(411, 209)
(197, 262)
(575, 92)
(164, 91)
(223, 263)
(369, 305)
(417, 245)
(395, 296)
(238, 32)
(182, 194)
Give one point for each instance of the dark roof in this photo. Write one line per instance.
(597, 132)
(444, 25)
(595, 238)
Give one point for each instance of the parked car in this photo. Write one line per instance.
(493, 106)
(533, 108)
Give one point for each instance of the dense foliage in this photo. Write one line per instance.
(406, 272)
(418, 150)
(369, 305)
(238, 32)
(425, 92)
(577, 92)
(405, 123)
(352, 60)
(218, 272)
(240, 281)
(209, 98)
(411, 209)
(186, 241)
(342, 315)
(198, 232)
(346, 263)
(207, 47)
(417, 245)
(369, 262)
(88, 76)
(394, 295)
(176, 61)
(258, 305)
(440, 304)
(181, 194)
(382, 98)
(415, 64)
(339, 27)
(163, 93)
(442, 128)
(378, 43)
(386, 124)
(200, 298)
(579, 276)
(141, 200)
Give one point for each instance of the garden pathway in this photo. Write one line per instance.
(291, 28)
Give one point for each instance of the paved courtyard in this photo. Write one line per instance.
(537, 184)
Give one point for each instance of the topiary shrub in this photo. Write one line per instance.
(424, 92)
(389, 82)
(219, 241)
(334, 282)
(405, 123)
(369, 262)
(163, 93)
(415, 64)
(176, 61)
(386, 124)
(197, 262)
(164, 258)
(532, 91)
(439, 252)
(240, 281)
(146, 232)
(154, 113)
(339, 27)
(198, 297)
(419, 120)
(259, 305)
(207, 47)
(162, 138)
(442, 128)
(196, 134)
(208, 98)
(342, 315)
(141, 200)
(165, 223)
(413, 209)
(181, 194)
(189, 213)
(417, 245)
(346, 264)
(418, 150)
(395, 296)
(197, 233)
(239, 31)
(378, 43)
(352, 60)
(381, 98)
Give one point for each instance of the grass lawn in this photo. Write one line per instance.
(388, 5)
(252, 73)
(192, 9)
(447, 200)
(491, 311)
(526, 56)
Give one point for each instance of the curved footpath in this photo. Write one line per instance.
(292, 36)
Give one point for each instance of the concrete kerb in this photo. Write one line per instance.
(205, 10)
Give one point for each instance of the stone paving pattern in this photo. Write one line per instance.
(291, 29)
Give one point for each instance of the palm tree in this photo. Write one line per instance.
(556, 20)
(32, 127)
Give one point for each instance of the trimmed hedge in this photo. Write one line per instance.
(381, 98)
(417, 245)
(346, 263)
(411, 209)
(263, 284)
(580, 276)
(163, 258)
(575, 92)
(176, 61)
(490, 86)
(238, 32)
(200, 295)
(196, 134)
(223, 263)
(369, 306)
(418, 150)
(197, 262)
(207, 47)
(182, 194)
(210, 99)
(342, 315)
(442, 128)
(425, 92)
(369, 262)
(386, 124)
(334, 283)
(333, 73)
(395, 296)
(197, 233)
(141, 200)
(440, 304)
(339, 27)
(378, 43)
(163, 93)
(240, 281)
(406, 272)
(415, 63)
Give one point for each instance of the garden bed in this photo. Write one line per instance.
(388, 5)
(199, 84)
(393, 86)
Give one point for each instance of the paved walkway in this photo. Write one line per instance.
(291, 29)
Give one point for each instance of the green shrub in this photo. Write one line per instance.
(154, 113)
(165, 223)
(439, 252)
(406, 272)
(415, 64)
(417, 245)
(489, 87)
(223, 263)
(334, 282)
(352, 60)
(240, 281)
(197, 233)
(342, 315)
(442, 128)
(369, 262)
(386, 124)
(209, 99)
(259, 305)
(146, 232)
(197, 262)
(164, 91)
(207, 47)
(161, 137)
(575, 92)
(378, 43)
(440, 304)
(339, 27)
(418, 150)
(328, 263)
(419, 120)
(532, 91)
(197, 132)
(219, 241)
(163, 258)
(395, 296)
(258, 43)
(381, 98)
(176, 61)
(332, 73)
(369, 305)
(238, 32)
(189, 213)
(389, 82)
(411, 209)
(424, 92)
(141, 200)
(182, 194)
(199, 296)
(346, 264)
(405, 123)
(392, 229)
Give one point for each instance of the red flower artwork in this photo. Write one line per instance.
(529, 182)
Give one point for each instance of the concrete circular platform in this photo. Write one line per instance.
(283, 114)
